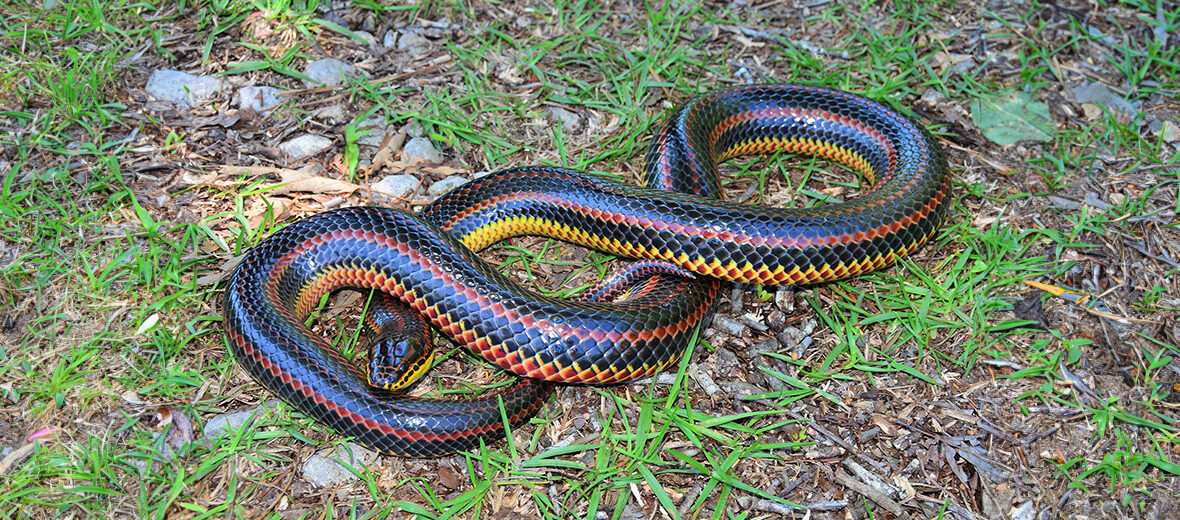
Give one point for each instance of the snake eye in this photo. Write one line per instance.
(397, 362)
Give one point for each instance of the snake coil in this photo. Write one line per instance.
(428, 261)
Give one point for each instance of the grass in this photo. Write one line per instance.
(110, 287)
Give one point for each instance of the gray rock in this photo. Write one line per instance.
(754, 322)
(395, 187)
(1100, 94)
(729, 325)
(329, 72)
(375, 131)
(373, 121)
(182, 88)
(932, 97)
(569, 120)
(374, 136)
(702, 378)
(784, 299)
(1169, 132)
(367, 37)
(331, 114)
(1025, 511)
(1096, 202)
(445, 186)
(742, 389)
(328, 468)
(258, 99)
(389, 40)
(633, 511)
(1064, 203)
(420, 150)
(229, 422)
(412, 41)
(724, 361)
(666, 378)
(305, 146)
(789, 337)
(414, 129)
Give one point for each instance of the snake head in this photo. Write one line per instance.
(396, 362)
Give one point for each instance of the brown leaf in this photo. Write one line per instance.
(1032, 309)
(297, 181)
(448, 478)
(176, 427)
(444, 170)
(258, 211)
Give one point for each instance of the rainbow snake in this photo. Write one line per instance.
(635, 324)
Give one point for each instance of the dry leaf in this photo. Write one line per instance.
(297, 181)
(448, 478)
(443, 170)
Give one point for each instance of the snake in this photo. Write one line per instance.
(427, 263)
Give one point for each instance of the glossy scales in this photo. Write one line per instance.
(427, 262)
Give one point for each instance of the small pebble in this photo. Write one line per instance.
(329, 72)
(666, 378)
(742, 389)
(395, 187)
(786, 339)
(373, 137)
(420, 151)
(754, 322)
(569, 120)
(366, 36)
(258, 99)
(702, 378)
(784, 299)
(1095, 202)
(1063, 203)
(414, 129)
(413, 42)
(182, 88)
(229, 422)
(445, 186)
(1169, 132)
(728, 325)
(326, 470)
(1099, 94)
(305, 146)
(332, 114)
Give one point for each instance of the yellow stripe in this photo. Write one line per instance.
(823, 149)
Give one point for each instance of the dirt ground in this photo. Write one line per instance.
(983, 433)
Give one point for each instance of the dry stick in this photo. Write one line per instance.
(958, 510)
(832, 437)
(690, 497)
(995, 165)
(310, 102)
(868, 492)
(432, 66)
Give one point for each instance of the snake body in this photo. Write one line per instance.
(427, 261)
